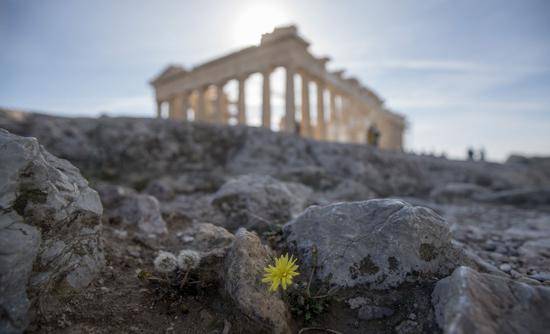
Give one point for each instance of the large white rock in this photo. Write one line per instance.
(377, 242)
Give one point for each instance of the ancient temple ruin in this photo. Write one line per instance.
(353, 114)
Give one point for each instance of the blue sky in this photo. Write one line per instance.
(465, 73)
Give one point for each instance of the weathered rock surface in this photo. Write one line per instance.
(349, 190)
(18, 248)
(166, 188)
(213, 243)
(205, 237)
(259, 202)
(457, 192)
(378, 242)
(125, 207)
(136, 152)
(495, 212)
(471, 302)
(49, 221)
(188, 209)
(243, 272)
(531, 197)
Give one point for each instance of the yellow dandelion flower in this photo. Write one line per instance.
(282, 273)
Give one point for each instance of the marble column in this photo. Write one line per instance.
(218, 107)
(184, 106)
(178, 107)
(344, 132)
(305, 125)
(225, 111)
(200, 115)
(159, 108)
(321, 126)
(266, 99)
(173, 105)
(333, 125)
(241, 102)
(290, 123)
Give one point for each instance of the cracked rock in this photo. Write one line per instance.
(472, 302)
(49, 229)
(379, 242)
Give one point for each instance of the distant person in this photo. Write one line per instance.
(471, 154)
(482, 154)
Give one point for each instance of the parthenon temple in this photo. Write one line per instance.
(346, 111)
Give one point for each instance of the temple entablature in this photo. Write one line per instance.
(351, 109)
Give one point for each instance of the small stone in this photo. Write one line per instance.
(120, 234)
(187, 238)
(541, 276)
(505, 267)
(134, 251)
(104, 289)
(206, 317)
(515, 274)
(490, 246)
(412, 316)
(407, 327)
(356, 302)
(496, 256)
(370, 312)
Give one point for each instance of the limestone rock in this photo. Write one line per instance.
(370, 312)
(408, 327)
(471, 302)
(126, 207)
(49, 221)
(206, 237)
(349, 190)
(375, 242)
(211, 243)
(244, 266)
(530, 197)
(457, 192)
(135, 152)
(18, 248)
(185, 210)
(259, 202)
(167, 187)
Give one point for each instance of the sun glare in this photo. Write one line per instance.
(256, 19)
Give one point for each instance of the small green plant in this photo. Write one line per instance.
(304, 305)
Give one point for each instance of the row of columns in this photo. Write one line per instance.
(179, 105)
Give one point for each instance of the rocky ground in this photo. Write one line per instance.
(144, 226)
